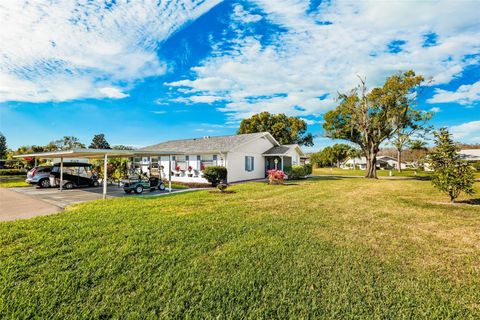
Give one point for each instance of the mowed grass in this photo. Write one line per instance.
(13, 181)
(361, 173)
(338, 248)
(380, 173)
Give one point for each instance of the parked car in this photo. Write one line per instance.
(74, 175)
(39, 175)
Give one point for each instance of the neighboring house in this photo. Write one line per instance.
(470, 155)
(383, 162)
(246, 156)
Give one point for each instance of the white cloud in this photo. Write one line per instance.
(159, 112)
(468, 132)
(112, 92)
(322, 52)
(63, 50)
(466, 94)
(435, 109)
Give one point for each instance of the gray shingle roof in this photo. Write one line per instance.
(206, 145)
(277, 150)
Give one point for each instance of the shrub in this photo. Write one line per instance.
(450, 174)
(12, 172)
(308, 169)
(276, 176)
(215, 174)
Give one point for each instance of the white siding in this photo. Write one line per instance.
(236, 161)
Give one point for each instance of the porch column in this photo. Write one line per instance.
(105, 176)
(35, 161)
(169, 173)
(61, 174)
(282, 164)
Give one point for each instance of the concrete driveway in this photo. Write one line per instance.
(14, 205)
(27, 202)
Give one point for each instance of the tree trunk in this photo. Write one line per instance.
(399, 160)
(371, 165)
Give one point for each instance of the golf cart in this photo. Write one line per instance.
(139, 185)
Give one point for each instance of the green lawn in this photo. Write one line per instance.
(361, 173)
(338, 248)
(13, 181)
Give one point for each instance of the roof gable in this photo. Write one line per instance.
(210, 144)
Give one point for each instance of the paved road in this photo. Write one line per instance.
(14, 205)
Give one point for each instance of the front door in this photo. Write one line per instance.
(270, 163)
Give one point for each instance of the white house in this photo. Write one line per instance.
(246, 156)
(383, 162)
(470, 155)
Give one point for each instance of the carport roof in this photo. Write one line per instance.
(97, 153)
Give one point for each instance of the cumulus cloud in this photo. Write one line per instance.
(468, 132)
(435, 109)
(317, 53)
(63, 50)
(466, 95)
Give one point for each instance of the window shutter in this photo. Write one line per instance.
(187, 158)
(246, 163)
(198, 158)
(253, 163)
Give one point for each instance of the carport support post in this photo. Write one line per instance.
(105, 176)
(169, 173)
(61, 174)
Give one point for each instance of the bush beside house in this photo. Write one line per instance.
(215, 174)
(298, 172)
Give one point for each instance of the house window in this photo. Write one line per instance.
(249, 163)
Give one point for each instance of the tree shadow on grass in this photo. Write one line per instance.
(473, 202)
(330, 177)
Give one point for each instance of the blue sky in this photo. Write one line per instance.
(142, 72)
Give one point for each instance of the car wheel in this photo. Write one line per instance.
(95, 183)
(161, 186)
(44, 183)
(68, 185)
(138, 189)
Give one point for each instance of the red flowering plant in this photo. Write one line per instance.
(202, 167)
(190, 168)
(177, 168)
(276, 176)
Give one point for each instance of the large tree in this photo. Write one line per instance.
(99, 142)
(3, 146)
(368, 118)
(68, 142)
(286, 130)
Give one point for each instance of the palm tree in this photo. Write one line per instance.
(354, 153)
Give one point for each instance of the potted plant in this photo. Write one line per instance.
(177, 171)
(190, 173)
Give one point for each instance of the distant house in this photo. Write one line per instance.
(246, 156)
(383, 162)
(470, 155)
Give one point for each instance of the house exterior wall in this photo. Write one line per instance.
(236, 161)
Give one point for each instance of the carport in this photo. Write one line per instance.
(101, 154)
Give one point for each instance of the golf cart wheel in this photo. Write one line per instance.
(138, 189)
(95, 184)
(161, 186)
(68, 185)
(44, 183)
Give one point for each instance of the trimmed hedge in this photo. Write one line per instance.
(215, 174)
(12, 172)
(298, 172)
